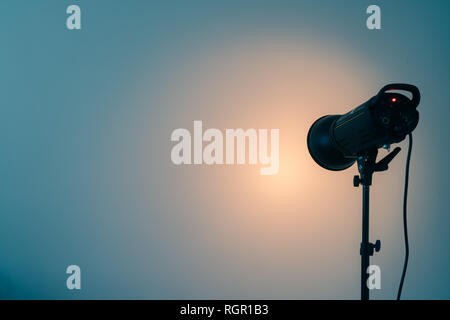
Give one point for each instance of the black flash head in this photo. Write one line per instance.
(336, 141)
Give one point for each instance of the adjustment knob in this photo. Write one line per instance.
(356, 181)
(377, 246)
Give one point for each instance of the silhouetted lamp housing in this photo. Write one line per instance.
(336, 141)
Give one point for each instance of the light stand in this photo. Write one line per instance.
(367, 165)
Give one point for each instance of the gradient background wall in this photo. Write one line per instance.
(85, 170)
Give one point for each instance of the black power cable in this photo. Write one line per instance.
(405, 224)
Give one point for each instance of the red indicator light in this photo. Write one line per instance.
(394, 99)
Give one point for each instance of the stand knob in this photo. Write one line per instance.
(377, 246)
(356, 181)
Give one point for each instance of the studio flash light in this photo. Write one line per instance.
(335, 142)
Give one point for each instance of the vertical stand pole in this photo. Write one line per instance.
(366, 167)
(365, 245)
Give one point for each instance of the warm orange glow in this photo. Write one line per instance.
(233, 211)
